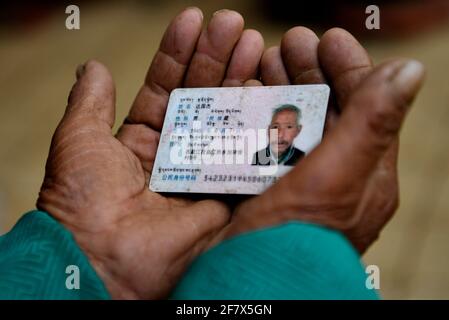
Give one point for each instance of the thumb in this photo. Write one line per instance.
(92, 96)
(370, 122)
(372, 119)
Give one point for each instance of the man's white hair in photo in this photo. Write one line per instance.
(289, 107)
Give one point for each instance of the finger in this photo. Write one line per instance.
(379, 202)
(344, 62)
(367, 128)
(214, 49)
(167, 69)
(93, 96)
(272, 69)
(299, 50)
(142, 141)
(369, 125)
(245, 59)
(252, 83)
(88, 118)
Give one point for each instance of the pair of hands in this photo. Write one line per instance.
(141, 242)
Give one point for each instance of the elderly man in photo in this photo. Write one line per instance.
(280, 150)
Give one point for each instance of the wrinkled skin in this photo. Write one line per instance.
(141, 242)
(349, 182)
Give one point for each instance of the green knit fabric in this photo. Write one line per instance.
(292, 261)
(34, 256)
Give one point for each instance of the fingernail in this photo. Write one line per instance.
(409, 78)
(220, 11)
(198, 10)
(80, 70)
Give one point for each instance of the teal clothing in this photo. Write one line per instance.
(291, 261)
(34, 257)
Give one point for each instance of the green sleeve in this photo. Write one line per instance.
(34, 256)
(291, 261)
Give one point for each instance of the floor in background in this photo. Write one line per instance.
(38, 71)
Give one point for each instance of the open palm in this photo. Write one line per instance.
(96, 184)
(141, 242)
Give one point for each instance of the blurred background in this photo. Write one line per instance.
(38, 58)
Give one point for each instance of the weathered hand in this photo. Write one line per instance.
(349, 182)
(140, 242)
